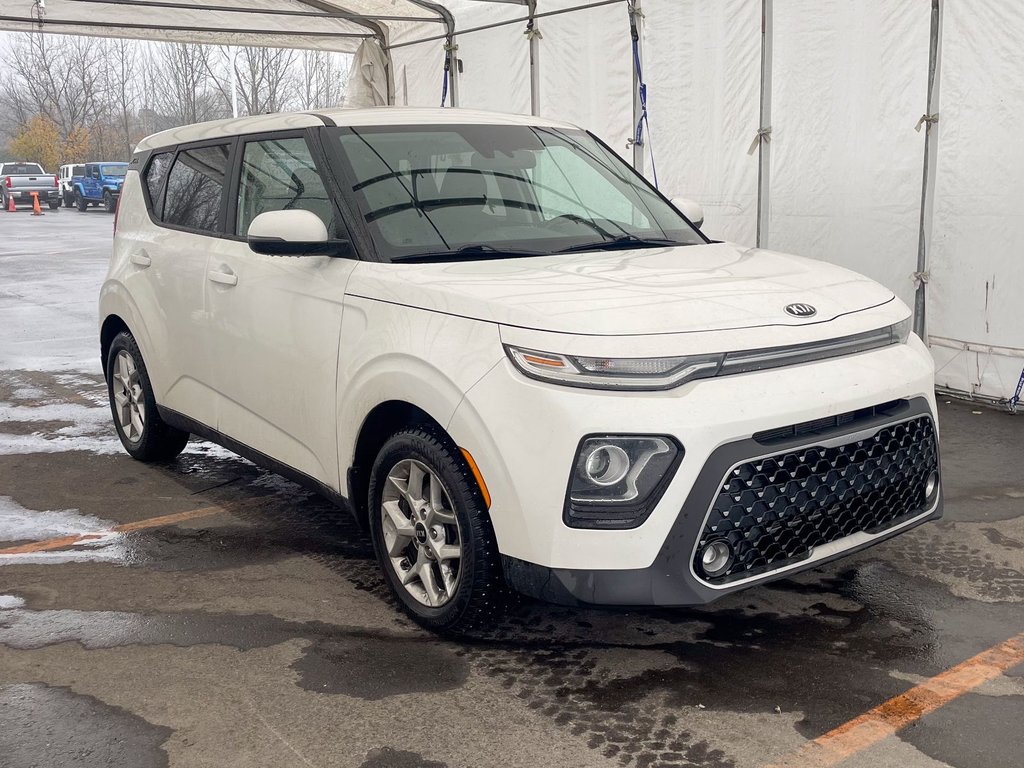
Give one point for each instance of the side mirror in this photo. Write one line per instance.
(292, 233)
(691, 209)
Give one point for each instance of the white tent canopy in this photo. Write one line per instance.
(792, 122)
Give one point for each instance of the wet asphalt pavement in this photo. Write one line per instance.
(255, 630)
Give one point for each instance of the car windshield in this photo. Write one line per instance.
(498, 191)
(113, 170)
(20, 169)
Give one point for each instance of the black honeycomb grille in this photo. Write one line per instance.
(774, 511)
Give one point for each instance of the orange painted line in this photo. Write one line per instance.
(900, 711)
(152, 522)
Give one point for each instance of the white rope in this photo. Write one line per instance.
(926, 119)
(763, 134)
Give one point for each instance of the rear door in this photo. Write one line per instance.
(276, 320)
(185, 192)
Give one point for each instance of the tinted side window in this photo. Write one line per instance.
(156, 172)
(195, 188)
(279, 175)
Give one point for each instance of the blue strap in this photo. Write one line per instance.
(1020, 388)
(444, 84)
(638, 134)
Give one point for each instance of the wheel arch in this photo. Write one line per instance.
(383, 420)
(112, 325)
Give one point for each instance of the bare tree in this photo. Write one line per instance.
(323, 80)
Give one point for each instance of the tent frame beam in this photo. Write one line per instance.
(317, 14)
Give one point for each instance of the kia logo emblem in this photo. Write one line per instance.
(801, 310)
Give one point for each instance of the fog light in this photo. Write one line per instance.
(931, 486)
(716, 557)
(606, 464)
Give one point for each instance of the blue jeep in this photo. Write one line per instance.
(101, 183)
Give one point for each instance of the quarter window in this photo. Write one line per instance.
(280, 175)
(155, 175)
(195, 188)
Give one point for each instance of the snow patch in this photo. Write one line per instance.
(11, 601)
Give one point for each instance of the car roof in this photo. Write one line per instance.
(378, 116)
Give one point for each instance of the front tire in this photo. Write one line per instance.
(109, 204)
(432, 534)
(144, 435)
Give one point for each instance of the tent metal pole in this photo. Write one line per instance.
(234, 81)
(764, 151)
(533, 35)
(930, 121)
(635, 19)
(451, 48)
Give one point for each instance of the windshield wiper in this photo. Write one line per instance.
(622, 241)
(470, 253)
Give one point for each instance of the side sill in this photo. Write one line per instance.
(260, 459)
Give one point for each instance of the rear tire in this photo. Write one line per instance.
(80, 202)
(144, 435)
(69, 199)
(413, 529)
(109, 204)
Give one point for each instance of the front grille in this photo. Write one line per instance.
(773, 511)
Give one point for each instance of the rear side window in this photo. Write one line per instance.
(20, 169)
(78, 170)
(156, 172)
(195, 188)
(280, 175)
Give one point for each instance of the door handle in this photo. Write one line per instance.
(141, 259)
(224, 278)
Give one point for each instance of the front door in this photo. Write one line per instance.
(276, 320)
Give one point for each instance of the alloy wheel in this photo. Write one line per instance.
(128, 396)
(421, 533)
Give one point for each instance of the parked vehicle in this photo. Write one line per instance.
(64, 177)
(511, 358)
(100, 183)
(19, 180)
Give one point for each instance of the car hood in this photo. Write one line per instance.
(637, 292)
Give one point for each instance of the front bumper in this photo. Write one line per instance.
(523, 435)
(809, 500)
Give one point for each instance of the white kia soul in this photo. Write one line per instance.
(511, 358)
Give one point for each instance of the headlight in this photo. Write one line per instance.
(618, 479)
(653, 373)
(637, 373)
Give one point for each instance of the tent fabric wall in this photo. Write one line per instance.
(976, 288)
(496, 62)
(849, 85)
(703, 74)
(587, 70)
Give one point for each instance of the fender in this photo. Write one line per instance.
(115, 300)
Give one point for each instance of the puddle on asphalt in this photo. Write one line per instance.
(385, 757)
(51, 726)
(337, 660)
(386, 667)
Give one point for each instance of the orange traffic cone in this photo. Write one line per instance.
(10, 204)
(36, 210)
